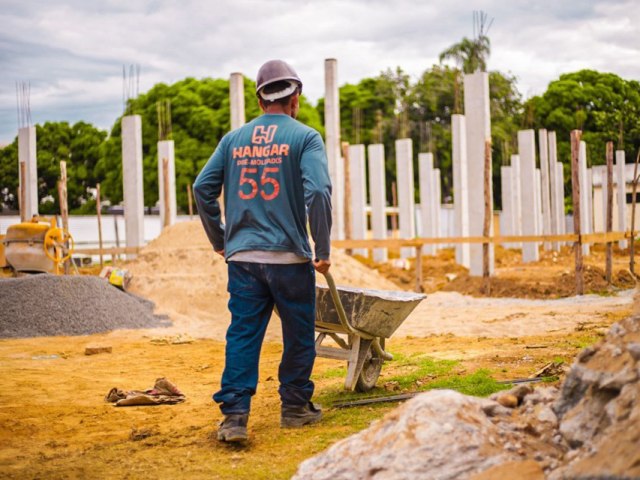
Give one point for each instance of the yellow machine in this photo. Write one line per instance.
(37, 246)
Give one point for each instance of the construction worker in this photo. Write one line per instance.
(275, 177)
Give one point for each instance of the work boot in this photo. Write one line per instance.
(297, 415)
(234, 428)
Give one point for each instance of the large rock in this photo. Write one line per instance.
(599, 407)
(439, 434)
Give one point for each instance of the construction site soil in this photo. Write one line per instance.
(56, 424)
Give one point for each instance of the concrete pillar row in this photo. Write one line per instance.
(166, 150)
(133, 195)
(236, 97)
(621, 190)
(527, 153)
(460, 187)
(378, 199)
(358, 188)
(406, 203)
(332, 140)
(27, 156)
(478, 123)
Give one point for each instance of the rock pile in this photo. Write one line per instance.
(48, 305)
(587, 429)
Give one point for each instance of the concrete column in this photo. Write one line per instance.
(599, 173)
(437, 193)
(27, 155)
(545, 185)
(460, 187)
(476, 107)
(527, 150)
(538, 203)
(516, 198)
(562, 225)
(236, 97)
(132, 180)
(406, 203)
(621, 190)
(166, 150)
(378, 199)
(506, 215)
(357, 181)
(427, 200)
(332, 136)
(553, 189)
(585, 193)
(590, 199)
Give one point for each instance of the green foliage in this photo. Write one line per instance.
(471, 55)
(603, 105)
(79, 145)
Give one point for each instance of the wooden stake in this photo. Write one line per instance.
(575, 186)
(632, 248)
(23, 192)
(488, 217)
(165, 188)
(190, 200)
(347, 192)
(609, 250)
(99, 213)
(419, 288)
(64, 207)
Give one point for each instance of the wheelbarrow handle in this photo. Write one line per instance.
(344, 321)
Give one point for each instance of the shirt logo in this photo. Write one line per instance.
(263, 135)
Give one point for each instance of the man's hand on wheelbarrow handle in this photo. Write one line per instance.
(322, 266)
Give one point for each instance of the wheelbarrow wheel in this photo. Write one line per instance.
(370, 370)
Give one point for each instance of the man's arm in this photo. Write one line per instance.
(317, 196)
(206, 191)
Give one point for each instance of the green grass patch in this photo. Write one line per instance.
(478, 384)
(414, 373)
(339, 372)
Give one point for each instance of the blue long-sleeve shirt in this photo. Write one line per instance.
(274, 171)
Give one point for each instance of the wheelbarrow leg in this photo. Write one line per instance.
(359, 349)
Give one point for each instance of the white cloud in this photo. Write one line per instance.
(72, 51)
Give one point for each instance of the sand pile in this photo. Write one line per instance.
(48, 305)
(180, 272)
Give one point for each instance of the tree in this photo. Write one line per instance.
(471, 55)
(603, 105)
(79, 145)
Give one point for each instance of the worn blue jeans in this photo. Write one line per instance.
(255, 288)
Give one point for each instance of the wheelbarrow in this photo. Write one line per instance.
(358, 321)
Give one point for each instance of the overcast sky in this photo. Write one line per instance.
(72, 52)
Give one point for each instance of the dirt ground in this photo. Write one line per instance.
(56, 424)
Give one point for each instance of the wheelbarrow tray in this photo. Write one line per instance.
(376, 312)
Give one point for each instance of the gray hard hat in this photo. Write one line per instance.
(277, 71)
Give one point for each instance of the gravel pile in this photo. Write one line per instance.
(48, 305)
